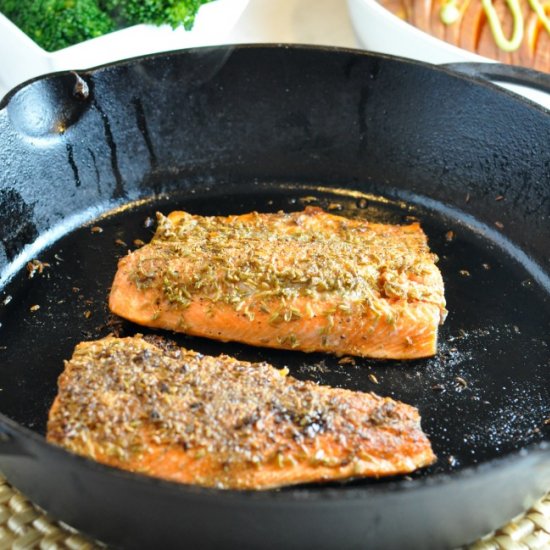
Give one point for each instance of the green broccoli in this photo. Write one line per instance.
(155, 12)
(56, 24)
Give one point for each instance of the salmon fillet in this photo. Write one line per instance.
(307, 280)
(172, 413)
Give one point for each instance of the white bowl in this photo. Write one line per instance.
(379, 30)
(21, 58)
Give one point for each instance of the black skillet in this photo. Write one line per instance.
(232, 129)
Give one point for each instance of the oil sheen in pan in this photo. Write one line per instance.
(484, 394)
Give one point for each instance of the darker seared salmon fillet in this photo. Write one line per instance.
(171, 413)
(310, 281)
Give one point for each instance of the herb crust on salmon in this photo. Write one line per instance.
(309, 280)
(151, 407)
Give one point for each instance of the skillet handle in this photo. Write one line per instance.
(529, 83)
(499, 72)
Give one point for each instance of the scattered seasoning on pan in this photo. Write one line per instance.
(438, 387)
(36, 266)
(486, 266)
(115, 325)
(96, 229)
(499, 197)
(467, 198)
(335, 206)
(527, 283)
(373, 378)
(58, 258)
(347, 361)
(452, 460)
(499, 225)
(87, 314)
(308, 199)
(464, 272)
(148, 222)
(75, 289)
(319, 367)
(34, 308)
(120, 242)
(362, 203)
(7, 300)
(139, 243)
(449, 236)
(461, 382)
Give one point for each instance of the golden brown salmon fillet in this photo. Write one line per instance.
(216, 421)
(310, 281)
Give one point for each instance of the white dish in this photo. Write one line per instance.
(21, 58)
(379, 30)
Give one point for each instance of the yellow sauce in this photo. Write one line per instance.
(505, 44)
(541, 14)
(450, 13)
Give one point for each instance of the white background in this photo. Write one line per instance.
(299, 21)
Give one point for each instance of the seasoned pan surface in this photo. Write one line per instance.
(86, 162)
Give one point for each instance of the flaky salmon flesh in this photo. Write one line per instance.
(309, 281)
(152, 407)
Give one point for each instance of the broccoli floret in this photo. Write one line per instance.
(156, 12)
(56, 24)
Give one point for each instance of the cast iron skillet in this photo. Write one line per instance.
(232, 129)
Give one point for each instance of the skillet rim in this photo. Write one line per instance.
(9, 427)
(4, 101)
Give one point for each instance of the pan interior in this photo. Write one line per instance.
(484, 394)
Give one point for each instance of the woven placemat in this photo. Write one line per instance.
(23, 525)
